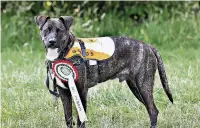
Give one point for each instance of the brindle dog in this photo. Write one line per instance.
(132, 61)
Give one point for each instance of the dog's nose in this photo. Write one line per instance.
(52, 41)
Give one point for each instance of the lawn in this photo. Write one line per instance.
(26, 103)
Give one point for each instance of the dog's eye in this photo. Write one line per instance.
(46, 31)
(57, 30)
(49, 28)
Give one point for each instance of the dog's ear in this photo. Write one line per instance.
(67, 21)
(41, 20)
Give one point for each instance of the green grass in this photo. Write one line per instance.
(26, 103)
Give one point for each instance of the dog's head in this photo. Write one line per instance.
(55, 34)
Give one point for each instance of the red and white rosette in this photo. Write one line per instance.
(63, 68)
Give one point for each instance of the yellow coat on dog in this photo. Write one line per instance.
(100, 48)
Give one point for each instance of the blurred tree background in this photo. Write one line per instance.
(99, 18)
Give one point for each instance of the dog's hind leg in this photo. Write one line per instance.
(131, 84)
(67, 105)
(145, 83)
(147, 99)
(147, 95)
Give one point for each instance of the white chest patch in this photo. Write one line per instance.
(52, 54)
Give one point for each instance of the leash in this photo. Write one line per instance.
(54, 92)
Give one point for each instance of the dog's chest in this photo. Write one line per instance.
(100, 48)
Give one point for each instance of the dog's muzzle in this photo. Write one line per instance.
(52, 42)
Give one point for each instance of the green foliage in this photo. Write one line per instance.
(103, 18)
(25, 33)
(17, 33)
(136, 10)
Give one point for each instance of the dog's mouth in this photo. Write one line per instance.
(52, 54)
(51, 45)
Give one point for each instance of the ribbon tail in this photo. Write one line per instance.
(77, 100)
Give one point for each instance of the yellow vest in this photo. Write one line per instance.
(100, 48)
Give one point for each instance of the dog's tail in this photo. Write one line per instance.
(162, 74)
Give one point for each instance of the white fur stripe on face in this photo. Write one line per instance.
(52, 54)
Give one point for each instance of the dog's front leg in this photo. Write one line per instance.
(66, 98)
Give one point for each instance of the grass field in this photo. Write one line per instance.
(26, 103)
